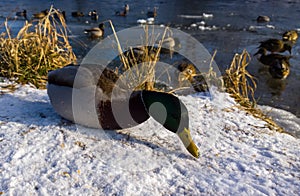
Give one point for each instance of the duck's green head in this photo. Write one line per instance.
(169, 111)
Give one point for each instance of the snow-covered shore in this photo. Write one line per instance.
(43, 154)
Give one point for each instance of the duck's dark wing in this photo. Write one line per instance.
(271, 43)
(83, 94)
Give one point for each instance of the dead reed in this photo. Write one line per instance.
(40, 46)
(241, 85)
(211, 77)
(139, 63)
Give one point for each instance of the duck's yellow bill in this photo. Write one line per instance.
(186, 139)
(193, 149)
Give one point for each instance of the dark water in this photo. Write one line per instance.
(235, 29)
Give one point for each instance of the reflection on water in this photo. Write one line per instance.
(234, 22)
(276, 87)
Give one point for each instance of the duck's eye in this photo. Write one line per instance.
(190, 71)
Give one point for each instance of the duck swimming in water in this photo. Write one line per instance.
(124, 12)
(94, 15)
(85, 95)
(261, 19)
(152, 14)
(270, 58)
(275, 45)
(77, 14)
(279, 65)
(96, 32)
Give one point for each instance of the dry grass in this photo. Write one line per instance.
(140, 65)
(211, 77)
(40, 46)
(240, 84)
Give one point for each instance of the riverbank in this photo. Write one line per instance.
(45, 154)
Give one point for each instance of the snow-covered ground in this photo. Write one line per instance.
(43, 154)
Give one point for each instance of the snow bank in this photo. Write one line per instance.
(41, 153)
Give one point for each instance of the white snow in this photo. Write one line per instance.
(43, 154)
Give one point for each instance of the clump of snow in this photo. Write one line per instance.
(41, 153)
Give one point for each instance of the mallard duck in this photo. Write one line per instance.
(152, 14)
(41, 14)
(290, 36)
(94, 15)
(261, 19)
(22, 14)
(81, 94)
(279, 65)
(124, 12)
(77, 14)
(141, 54)
(96, 32)
(275, 45)
(269, 59)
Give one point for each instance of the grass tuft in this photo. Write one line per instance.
(241, 85)
(139, 63)
(40, 46)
